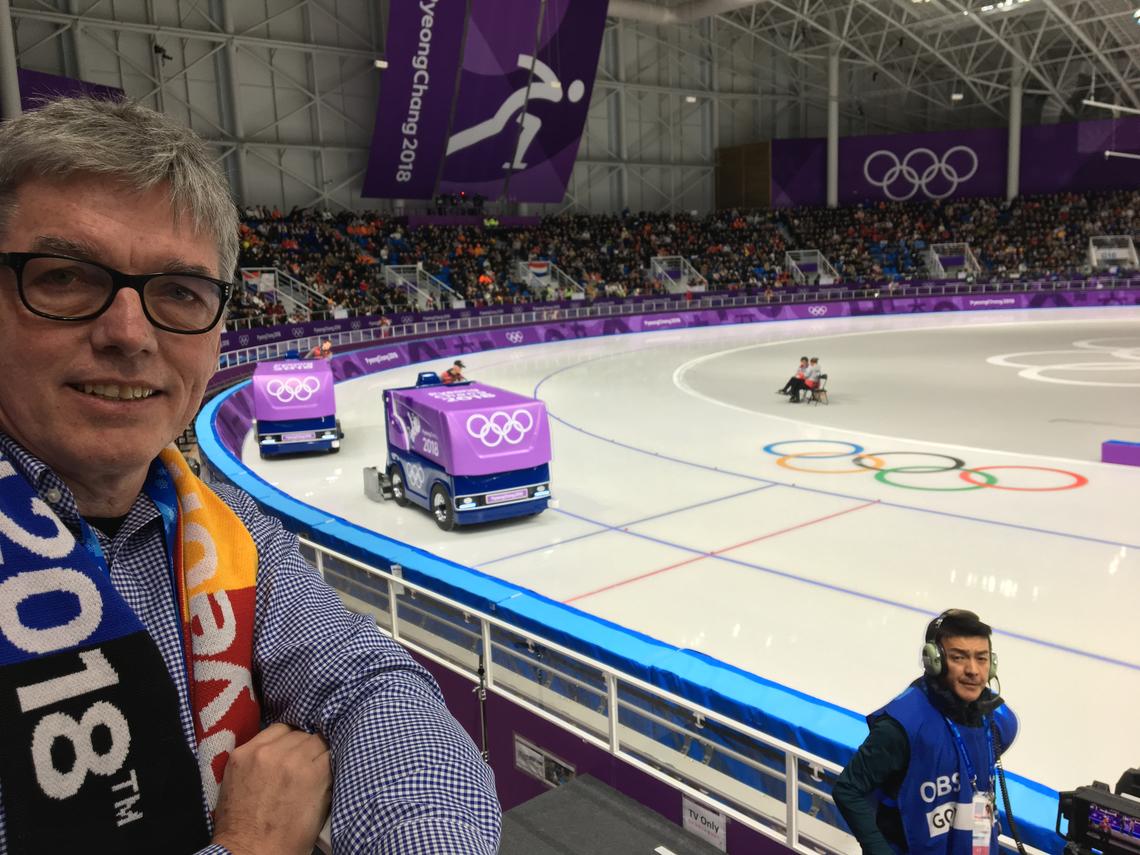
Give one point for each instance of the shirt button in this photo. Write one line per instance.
(53, 496)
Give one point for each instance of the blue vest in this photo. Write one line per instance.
(935, 797)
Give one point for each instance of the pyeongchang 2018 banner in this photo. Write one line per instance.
(507, 120)
(425, 42)
(920, 167)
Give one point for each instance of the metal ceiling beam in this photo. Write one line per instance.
(837, 39)
(313, 98)
(1012, 50)
(935, 52)
(84, 22)
(142, 71)
(1084, 39)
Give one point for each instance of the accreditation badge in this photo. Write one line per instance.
(982, 813)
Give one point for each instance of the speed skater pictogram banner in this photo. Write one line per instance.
(484, 97)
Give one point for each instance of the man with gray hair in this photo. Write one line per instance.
(150, 625)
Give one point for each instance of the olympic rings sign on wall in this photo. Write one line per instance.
(501, 426)
(929, 463)
(293, 388)
(515, 337)
(817, 311)
(918, 168)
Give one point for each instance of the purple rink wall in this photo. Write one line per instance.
(810, 723)
(291, 389)
(469, 429)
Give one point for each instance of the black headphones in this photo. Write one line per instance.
(934, 658)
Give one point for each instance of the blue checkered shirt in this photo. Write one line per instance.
(406, 776)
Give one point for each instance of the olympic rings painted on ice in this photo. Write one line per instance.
(956, 462)
(876, 462)
(882, 477)
(855, 449)
(783, 461)
(1078, 480)
(1097, 355)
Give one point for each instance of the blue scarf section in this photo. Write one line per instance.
(92, 754)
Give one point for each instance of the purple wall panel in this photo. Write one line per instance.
(799, 172)
(36, 87)
(1071, 156)
(416, 94)
(901, 167)
(1055, 158)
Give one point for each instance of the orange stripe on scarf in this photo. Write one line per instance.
(216, 567)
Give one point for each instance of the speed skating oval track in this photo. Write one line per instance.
(957, 465)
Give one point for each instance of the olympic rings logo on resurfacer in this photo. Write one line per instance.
(501, 426)
(920, 181)
(416, 475)
(976, 477)
(293, 388)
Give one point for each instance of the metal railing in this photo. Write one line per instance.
(419, 329)
(730, 766)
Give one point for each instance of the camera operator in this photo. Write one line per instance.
(924, 779)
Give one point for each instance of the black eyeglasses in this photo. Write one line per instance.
(67, 289)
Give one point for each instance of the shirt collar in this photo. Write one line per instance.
(47, 484)
(58, 496)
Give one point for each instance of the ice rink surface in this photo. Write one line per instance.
(698, 507)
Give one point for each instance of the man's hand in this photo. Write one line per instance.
(275, 794)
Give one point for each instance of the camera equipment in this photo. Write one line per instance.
(1103, 821)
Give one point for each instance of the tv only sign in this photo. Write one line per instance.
(705, 823)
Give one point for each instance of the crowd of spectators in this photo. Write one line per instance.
(1032, 237)
(341, 257)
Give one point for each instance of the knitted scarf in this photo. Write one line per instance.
(92, 754)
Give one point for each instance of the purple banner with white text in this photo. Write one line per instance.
(416, 93)
(522, 103)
